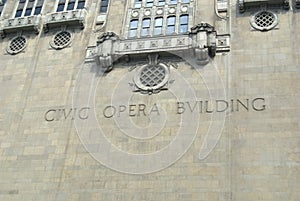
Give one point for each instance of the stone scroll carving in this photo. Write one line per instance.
(204, 42)
(104, 56)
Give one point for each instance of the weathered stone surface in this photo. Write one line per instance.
(44, 96)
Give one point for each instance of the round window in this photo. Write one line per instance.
(16, 45)
(152, 77)
(61, 40)
(264, 20)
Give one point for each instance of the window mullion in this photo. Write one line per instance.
(24, 8)
(177, 21)
(34, 6)
(76, 3)
(165, 26)
(66, 5)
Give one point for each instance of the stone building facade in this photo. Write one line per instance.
(148, 100)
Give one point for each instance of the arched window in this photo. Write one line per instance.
(173, 1)
(149, 3)
(146, 27)
(171, 21)
(133, 28)
(184, 21)
(185, 1)
(158, 24)
(161, 2)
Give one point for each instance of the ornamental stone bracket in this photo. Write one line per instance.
(21, 24)
(73, 17)
(202, 40)
(244, 5)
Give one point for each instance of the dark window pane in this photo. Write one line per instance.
(18, 13)
(22, 1)
(60, 7)
(2, 6)
(103, 9)
(104, 3)
(70, 6)
(104, 6)
(28, 12)
(80, 5)
(37, 10)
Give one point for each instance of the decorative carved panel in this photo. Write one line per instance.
(202, 41)
(21, 24)
(73, 17)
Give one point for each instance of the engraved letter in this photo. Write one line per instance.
(142, 108)
(47, 117)
(224, 107)
(263, 106)
(81, 111)
(180, 107)
(154, 109)
(113, 111)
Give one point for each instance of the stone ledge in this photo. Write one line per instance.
(21, 24)
(202, 42)
(73, 17)
(244, 5)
